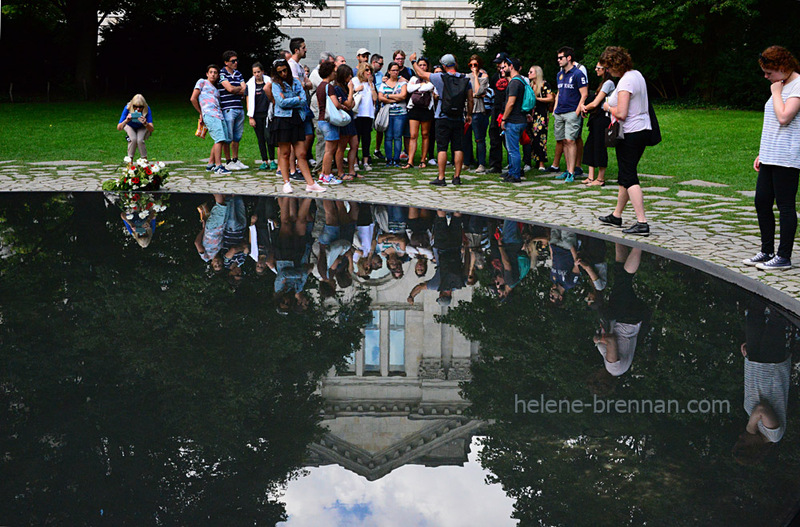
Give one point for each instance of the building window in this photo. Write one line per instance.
(372, 344)
(397, 342)
(373, 14)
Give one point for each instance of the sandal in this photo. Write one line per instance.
(359, 176)
(589, 181)
(598, 183)
(348, 177)
(424, 163)
(407, 166)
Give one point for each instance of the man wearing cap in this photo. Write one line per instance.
(499, 83)
(572, 92)
(449, 126)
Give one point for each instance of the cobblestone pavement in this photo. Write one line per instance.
(700, 222)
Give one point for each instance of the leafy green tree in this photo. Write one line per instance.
(440, 39)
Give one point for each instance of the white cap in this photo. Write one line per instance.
(362, 51)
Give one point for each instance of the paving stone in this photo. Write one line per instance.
(747, 193)
(654, 176)
(702, 183)
(63, 163)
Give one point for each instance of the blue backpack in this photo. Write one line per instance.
(529, 101)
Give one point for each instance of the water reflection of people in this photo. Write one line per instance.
(209, 240)
(565, 272)
(767, 369)
(291, 258)
(510, 264)
(621, 320)
(447, 245)
(335, 247)
(419, 246)
(392, 241)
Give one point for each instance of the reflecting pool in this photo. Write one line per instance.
(230, 360)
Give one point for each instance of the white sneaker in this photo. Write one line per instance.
(526, 168)
(432, 162)
(240, 165)
(287, 188)
(315, 188)
(367, 167)
(312, 162)
(230, 165)
(480, 170)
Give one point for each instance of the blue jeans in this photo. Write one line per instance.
(235, 217)
(480, 123)
(510, 232)
(234, 120)
(513, 135)
(393, 140)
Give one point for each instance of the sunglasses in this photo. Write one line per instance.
(473, 64)
(281, 71)
(233, 60)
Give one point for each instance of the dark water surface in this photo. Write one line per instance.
(463, 371)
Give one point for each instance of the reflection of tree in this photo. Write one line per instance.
(586, 469)
(135, 388)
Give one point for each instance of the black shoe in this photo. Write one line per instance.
(377, 155)
(456, 180)
(578, 171)
(439, 182)
(642, 229)
(494, 171)
(297, 176)
(612, 220)
(553, 169)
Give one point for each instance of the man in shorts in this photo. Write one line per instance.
(450, 123)
(205, 99)
(572, 92)
(231, 90)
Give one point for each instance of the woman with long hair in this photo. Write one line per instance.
(258, 103)
(347, 134)
(628, 105)
(537, 127)
(137, 121)
(595, 153)
(480, 119)
(330, 133)
(364, 83)
(291, 108)
(420, 113)
(778, 160)
(394, 91)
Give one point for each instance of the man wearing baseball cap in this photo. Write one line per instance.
(514, 119)
(455, 89)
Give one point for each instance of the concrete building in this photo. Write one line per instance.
(399, 403)
(381, 26)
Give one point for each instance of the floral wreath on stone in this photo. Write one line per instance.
(140, 175)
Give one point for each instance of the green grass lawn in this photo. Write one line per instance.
(714, 145)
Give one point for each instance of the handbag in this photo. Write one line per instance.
(613, 134)
(381, 123)
(335, 116)
(202, 129)
(655, 129)
(357, 100)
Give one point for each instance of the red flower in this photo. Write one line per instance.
(135, 181)
(148, 171)
(149, 205)
(136, 197)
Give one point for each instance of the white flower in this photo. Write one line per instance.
(129, 216)
(131, 171)
(161, 164)
(156, 169)
(127, 159)
(144, 214)
(141, 162)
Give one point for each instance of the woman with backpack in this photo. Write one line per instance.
(420, 114)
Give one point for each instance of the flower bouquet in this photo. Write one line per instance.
(138, 175)
(139, 205)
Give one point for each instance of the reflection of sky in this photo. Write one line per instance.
(411, 495)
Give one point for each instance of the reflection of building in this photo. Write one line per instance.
(382, 26)
(399, 403)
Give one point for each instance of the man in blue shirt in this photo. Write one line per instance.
(572, 92)
(449, 127)
(231, 90)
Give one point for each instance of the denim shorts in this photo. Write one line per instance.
(217, 129)
(329, 132)
(308, 124)
(234, 120)
(330, 233)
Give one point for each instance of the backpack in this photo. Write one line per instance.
(488, 99)
(454, 97)
(529, 101)
(421, 99)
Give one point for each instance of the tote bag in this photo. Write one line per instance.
(381, 123)
(336, 116)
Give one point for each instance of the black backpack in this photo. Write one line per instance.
(454, 97)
